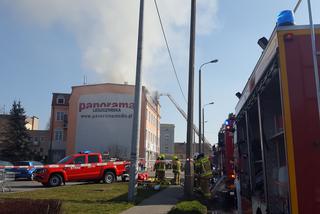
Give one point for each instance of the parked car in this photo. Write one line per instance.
(5, 163)
(27, 169)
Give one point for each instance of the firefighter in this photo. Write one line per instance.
(203, 173)
(176, 169)
(197, 170)
(160, 168)
(155, 168)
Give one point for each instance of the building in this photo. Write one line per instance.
(58, 126)
(99, 118)
(167, 139)
(180, 149)
(32, 123)
(40, 143)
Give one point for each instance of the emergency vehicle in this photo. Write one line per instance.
(84, 166)
(223, 161)
(277, 136)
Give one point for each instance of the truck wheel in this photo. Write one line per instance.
(109, 177)
(55, 180)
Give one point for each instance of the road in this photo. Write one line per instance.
(22, 186)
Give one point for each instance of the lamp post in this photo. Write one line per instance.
(211, 103)
(212, 61)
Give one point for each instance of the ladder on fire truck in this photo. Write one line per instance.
(195, 128)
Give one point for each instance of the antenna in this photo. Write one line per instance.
(84, 80)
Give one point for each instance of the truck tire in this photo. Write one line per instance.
(109, 177)
(55, 180)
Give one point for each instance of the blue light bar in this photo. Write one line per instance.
(85, 152)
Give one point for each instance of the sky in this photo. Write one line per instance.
(47, 46)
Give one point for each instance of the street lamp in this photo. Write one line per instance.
(212, 61)
(203, 121)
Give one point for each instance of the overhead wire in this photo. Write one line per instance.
(169, 52)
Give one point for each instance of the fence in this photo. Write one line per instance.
(5, 178)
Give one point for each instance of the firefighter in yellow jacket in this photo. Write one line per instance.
(176, 169)
(160, 168)
(204, 173)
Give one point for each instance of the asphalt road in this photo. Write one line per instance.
(22, 186)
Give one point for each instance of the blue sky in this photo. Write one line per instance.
(48, 46)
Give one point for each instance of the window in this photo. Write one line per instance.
(66, 159)
(60, 116)
(79, 160)
(93, 159)
(58, 135)
(60, 100)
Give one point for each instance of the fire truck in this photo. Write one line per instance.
(223, 161)
(277, 137)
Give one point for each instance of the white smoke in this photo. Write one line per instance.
(106, 30)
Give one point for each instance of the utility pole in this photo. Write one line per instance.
(188, 185)
(200, 132)
(136, 116)
(203, 129)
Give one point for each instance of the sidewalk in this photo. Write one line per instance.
(160, 203)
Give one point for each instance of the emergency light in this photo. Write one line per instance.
(85, 152)
(285, 18)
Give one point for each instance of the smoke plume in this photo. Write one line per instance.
(106, 30)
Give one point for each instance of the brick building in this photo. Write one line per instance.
(99, 118)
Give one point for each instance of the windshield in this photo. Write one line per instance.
(22, 163)
(66, 159)
(5, 163)
(36, 163)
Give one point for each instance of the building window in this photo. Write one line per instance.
(60, 116)
(58, 135)
(60, 100)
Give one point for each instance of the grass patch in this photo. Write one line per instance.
(87, 198)
(189, 207)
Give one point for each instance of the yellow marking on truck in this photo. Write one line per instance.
(288, 127)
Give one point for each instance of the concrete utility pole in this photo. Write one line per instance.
(137, 111)
(188, 185)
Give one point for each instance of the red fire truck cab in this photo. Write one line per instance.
(83, 166)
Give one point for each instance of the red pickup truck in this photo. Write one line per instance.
(81, 167)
